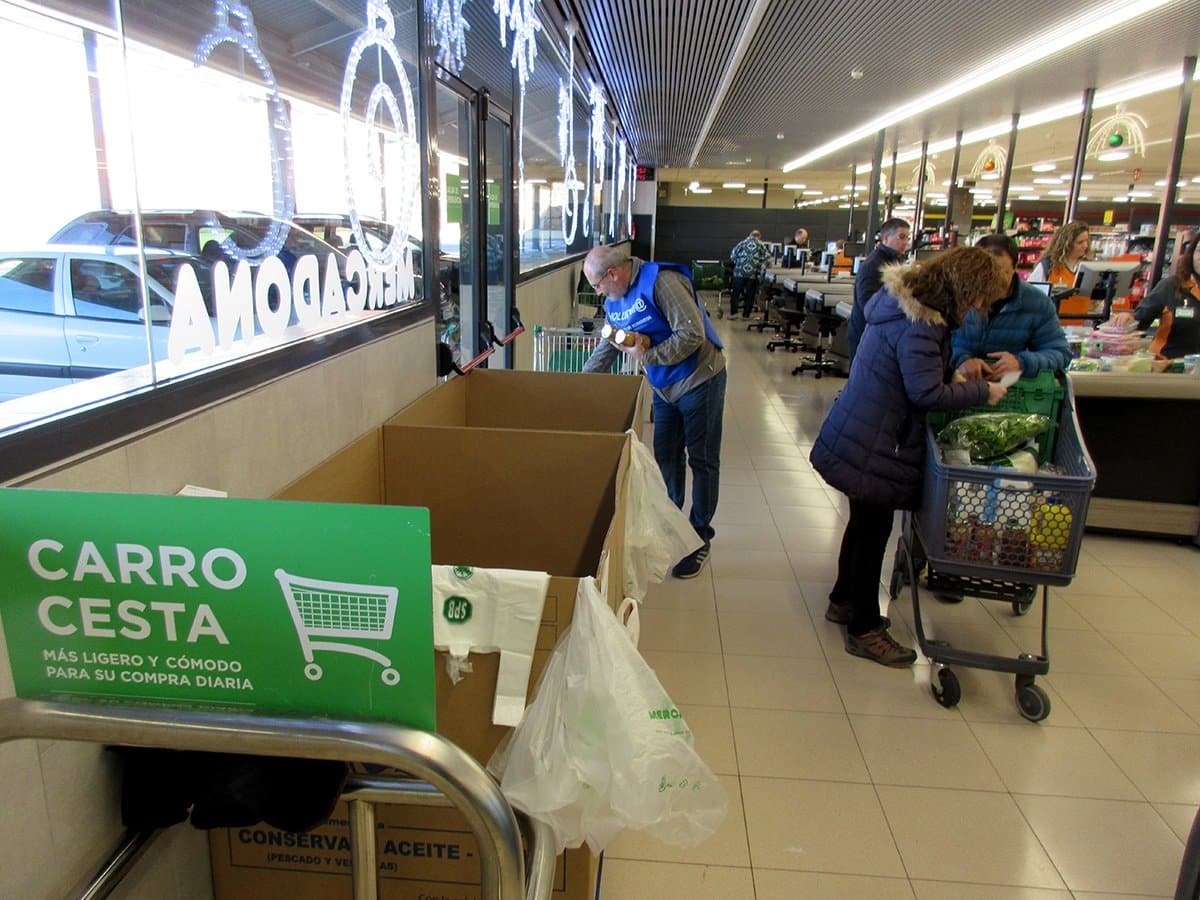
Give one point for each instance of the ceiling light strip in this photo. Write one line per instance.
(1151, 84)
(749, 29)
(1066, 34)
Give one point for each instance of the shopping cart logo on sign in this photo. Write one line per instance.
(339, 609)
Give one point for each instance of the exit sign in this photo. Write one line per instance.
(645, 173)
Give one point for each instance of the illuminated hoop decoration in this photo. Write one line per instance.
(619, 175)
(1120, 130)
(520, 17)
(572, 186)
(930, 175)
(283, 204)
(596, 97)
(380, 32)
(991, 159)
(629, 197)
(452, 30)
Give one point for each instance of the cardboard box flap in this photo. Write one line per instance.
(352, 475)
(544, 401)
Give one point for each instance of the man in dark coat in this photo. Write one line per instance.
(872, 444)
(893, 244)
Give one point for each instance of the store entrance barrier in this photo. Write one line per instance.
(450, 777)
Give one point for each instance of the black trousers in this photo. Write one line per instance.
(860, 562)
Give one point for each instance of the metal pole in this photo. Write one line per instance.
(363, 864)
(132, 847)
(919, 215)
(1085, 128)
(427, 133)
(764, 199)
(97, 108)
(1008, 167)
(428, 756)
(950, 194)
(1167, 209)
(853, 188)
(891, 186)
(873, 192)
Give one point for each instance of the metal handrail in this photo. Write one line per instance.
(430, 757)
(539, 862)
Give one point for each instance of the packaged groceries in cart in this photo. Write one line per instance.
(999, 531)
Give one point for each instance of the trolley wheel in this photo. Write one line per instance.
(721, 313)
(770, 348)
(945, 687)
(1032, 701)
(1022, 603)
(312, 672)
(390, 677)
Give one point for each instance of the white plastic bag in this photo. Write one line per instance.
(484, 611)
(657, 533)
(602, 747)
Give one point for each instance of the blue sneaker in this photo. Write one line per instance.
(692, 564)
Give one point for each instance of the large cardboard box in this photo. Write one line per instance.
(551, 501)
(424, 853)
(540, 500)
(544, 401)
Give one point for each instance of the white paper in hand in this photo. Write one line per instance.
(1008, 379)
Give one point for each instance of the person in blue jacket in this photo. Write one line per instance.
(670, 334)
(894, 235)
(1020, 332)
(871, 446)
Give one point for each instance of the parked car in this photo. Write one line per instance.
(73, 312)
(190, 231)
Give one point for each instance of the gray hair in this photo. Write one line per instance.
(607, 256)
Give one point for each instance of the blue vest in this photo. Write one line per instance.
(636, 311)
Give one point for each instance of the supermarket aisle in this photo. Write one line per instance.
(846, 778)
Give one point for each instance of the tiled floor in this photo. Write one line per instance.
(847, 779)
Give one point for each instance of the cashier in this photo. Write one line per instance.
(1174, 302)
(1020, 331)
(1062, 257)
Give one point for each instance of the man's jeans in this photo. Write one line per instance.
(692, 423)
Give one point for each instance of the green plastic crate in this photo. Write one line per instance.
(708, 274)
(1042, 394)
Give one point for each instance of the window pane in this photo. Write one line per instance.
(27, 285)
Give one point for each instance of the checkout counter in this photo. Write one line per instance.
(1143, 432)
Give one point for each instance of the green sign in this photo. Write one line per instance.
(493, 204)
(253, 605)
(454, 198)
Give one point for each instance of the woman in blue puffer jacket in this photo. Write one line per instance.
(872, 444)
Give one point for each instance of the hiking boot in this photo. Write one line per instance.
(692, 564)
(881, 647)
(842, 613)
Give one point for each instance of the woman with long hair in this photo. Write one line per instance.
(872, 444)
(1061, 258)
(1175, 302)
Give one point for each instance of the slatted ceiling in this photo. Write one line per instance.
(795, 76)
(662, 63)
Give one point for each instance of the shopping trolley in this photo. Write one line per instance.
(712, 283)
(567, 349)
(338, 609)
(999, 534)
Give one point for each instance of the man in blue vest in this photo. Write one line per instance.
(672, 337)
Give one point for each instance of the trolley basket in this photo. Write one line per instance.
(1004, 524)
(338, 609)
(708, 276)
(567, 349)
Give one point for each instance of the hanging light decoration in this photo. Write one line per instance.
(572, 185)
(1122, 132)
(930, 175)
(451, 28)
(991, 160)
